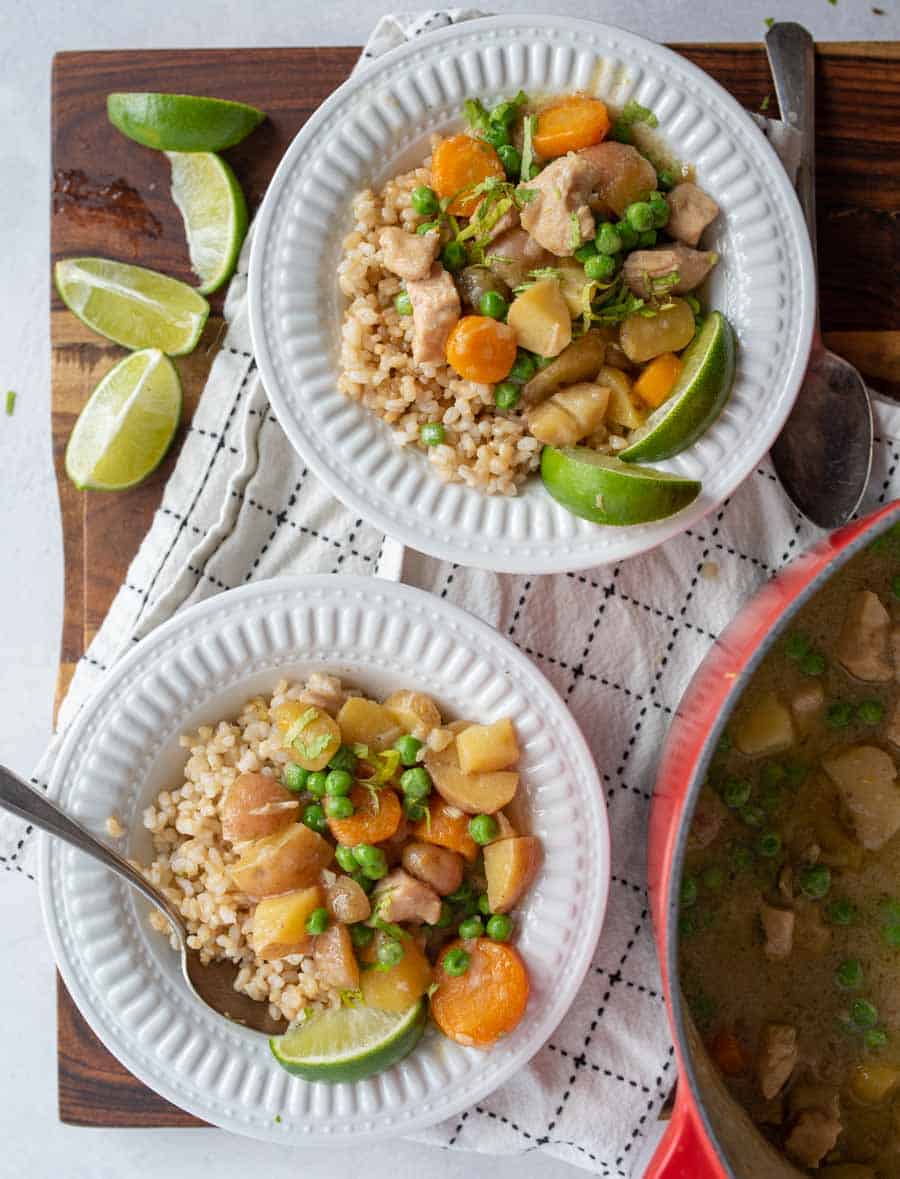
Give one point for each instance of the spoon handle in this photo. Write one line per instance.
(790, 51)
(19, 798)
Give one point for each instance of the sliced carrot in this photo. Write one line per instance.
(728, 1054)
(482, 349)
(658, 378)
(446, 827)
(459, 163)
(487, 1001)
(569, 125)
(376, 816)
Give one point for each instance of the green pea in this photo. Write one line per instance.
(863, 1013)
(361, 935)
(724, 744)
(889, 911)
(461, 895)
(600, 268)
(769, 844)
(875, 1038)
(815, 880)
(314, 818)
(584, 253)
(446, 918)
(338, 807)
(608, 240)
(796, 645)
(665, 179)
(659, 206)
(891, 936)
(432, 433)
(389, 952)
(712, 877)
(338, 782)
(317, 921)
(402, 303)
(499, 928)
(363, 881)
(455, 962)
(688, 891)
(424, 200)
(483, 828)
(687, 924)
(736, 792)
(870, 712)
(471, 927)
(408, 747)
(524, 367)
(416, 783)
(506, 395)
(772, 773)
(741, 858)
(315, 784)
(841, 912)
(639, 216)
(414, 810)
(813, 663)
(484, 905)
(647, 239)
(344, 759)
(628, 235)
(839, 714)
(372, 860)
(345, 857)
(849, 974)
(510, 159)
(453, 256)
(493, 305)
(295, 777)
(752, 815)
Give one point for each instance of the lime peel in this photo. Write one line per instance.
(209, 198)
(182, 122)
(604, 490)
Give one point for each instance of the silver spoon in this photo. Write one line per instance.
(823, 455)
(212, 984)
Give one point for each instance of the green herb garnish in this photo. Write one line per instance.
(10, 402)
(632, 114)
(529, 126)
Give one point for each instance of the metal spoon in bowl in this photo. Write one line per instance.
(823, 455)
(212, 984)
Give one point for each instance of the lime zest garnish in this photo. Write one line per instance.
(10, 402)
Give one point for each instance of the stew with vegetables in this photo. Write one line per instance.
(789, 923)
(536, 283)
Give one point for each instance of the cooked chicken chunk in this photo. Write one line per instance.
(435, 305)
(644, 268)
(778, 926)
(813, 1135)
(400, 897)
(335, 960)
(807, 704)
(863, 643)
(706, 824)
(776, 1058)
(866, 778)
(559, 218)
(514, 254)
(618, 174)
(409, 255)
(690, 211)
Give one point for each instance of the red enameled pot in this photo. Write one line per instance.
(709, 1135)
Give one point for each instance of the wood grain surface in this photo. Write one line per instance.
(111, 197)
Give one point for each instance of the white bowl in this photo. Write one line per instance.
(201, 666)
(377, 124)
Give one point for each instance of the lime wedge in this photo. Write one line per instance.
(135, 307)
(127, 425)
(182, 122)
(696, 401)
(606, 491)
(210, 200)
(349, 1043)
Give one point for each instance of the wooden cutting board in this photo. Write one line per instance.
(111, 197)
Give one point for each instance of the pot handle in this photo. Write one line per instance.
(685, 1152)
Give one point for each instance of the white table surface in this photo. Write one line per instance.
(35, 1143)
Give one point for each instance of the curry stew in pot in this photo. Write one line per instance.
(790, 905)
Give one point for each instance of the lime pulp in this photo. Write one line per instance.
(210, 200)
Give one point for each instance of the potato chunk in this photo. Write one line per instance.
(255, 805)
(365, 722)
(311, 735)
(399, 987)
(642, 338)
(279, 923)
(570, 415)
(873, 1083)
(279, 863)
(473, 793)
(482, 748)
(540, 318)
(866, 778)
(765, 728)
(510, 866)
(414, 712)
(624, 408)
